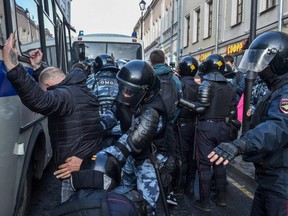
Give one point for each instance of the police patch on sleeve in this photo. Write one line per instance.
(284, 105)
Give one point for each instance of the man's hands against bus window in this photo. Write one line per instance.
(71, 164)
(10, 53)
(36, 58)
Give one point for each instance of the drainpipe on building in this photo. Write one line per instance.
(217, 26)
(280, 15)
(171, 37)
(179, 35)
(250, 75)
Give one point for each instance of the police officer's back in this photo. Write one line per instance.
(216, 100)
(187, 68)
(104, 85)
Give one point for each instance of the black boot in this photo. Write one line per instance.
(189, 189)
(205, 188)
(202, 205)
(220, 184)
(220, 198)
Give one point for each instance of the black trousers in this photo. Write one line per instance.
(209, 134)
(267, 203)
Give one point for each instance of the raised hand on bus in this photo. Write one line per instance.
(10, 53)
(36, 58)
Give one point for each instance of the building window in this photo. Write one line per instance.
(196, 26)
(208, 19)
(236, 12)
(166, 20)
(266, 4)
(186, 31)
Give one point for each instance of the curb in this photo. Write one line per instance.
(244, 178)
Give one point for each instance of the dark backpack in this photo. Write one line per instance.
(169, 93)
(91, 202)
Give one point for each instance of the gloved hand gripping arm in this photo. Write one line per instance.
(203, 98)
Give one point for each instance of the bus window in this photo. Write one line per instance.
(50, 42)
(118, 46)
(47, 7)
(125, 50)
(68, 48)
(28, 25)
(2, 25)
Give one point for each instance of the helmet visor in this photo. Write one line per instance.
(130, 95)
(256, 60)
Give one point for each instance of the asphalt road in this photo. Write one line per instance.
(46, 195)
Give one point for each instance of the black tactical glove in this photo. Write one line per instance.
(85, 67)
(229, 151)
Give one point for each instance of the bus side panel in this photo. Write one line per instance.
(16, 126)
(9, 133)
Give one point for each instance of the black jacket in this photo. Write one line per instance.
(72, 110)
(267, 142)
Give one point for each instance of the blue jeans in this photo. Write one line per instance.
(66, 190)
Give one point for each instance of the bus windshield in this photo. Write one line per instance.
(118, 51)
(120, 47)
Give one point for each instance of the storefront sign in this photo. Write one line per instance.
(203, 56)
(235, 48)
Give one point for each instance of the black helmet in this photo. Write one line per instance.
(102, 171)
(188, 66)
(213, 63)
(269, 48)
(138, 82)
(121, 62)
(104, 62)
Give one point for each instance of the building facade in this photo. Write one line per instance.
(202, 27)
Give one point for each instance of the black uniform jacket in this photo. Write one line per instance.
(267, 142)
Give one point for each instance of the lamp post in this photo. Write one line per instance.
(142, 6)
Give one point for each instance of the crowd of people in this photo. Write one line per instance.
(122, 136)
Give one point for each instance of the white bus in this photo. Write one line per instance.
(25, 147)
(88, 47)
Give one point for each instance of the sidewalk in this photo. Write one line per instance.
(243, 170)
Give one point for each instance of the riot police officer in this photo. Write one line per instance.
(104, 85)
(187, 68)
(265, 144)
(142, 115)
(216, 100)
(103, 80)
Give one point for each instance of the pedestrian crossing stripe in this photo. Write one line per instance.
(241, 188)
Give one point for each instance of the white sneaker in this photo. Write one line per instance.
(171, 199)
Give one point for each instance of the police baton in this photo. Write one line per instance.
(195, 134)
(156, 167)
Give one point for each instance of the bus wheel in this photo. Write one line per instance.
(23, 204)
